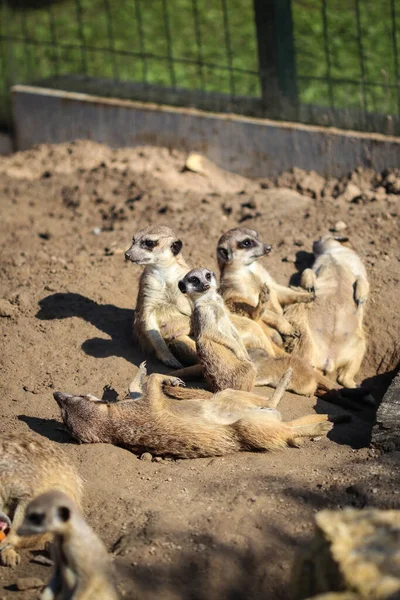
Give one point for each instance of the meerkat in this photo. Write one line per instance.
(198, 425)
(243, 279)
(82, 569)
(224, 361)
(162, 316)
(29, 465)
(332, 333)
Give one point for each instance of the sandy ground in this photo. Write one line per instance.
(207, 528)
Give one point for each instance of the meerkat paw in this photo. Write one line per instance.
(9, 557)
(264, 294)
(174, 381)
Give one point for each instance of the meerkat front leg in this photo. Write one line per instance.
(161, 349)
(136, 387)
(308, 280)
(281, 388)
(8, 555)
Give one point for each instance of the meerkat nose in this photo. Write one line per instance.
(267, 248)
(126, 256)
(206, 286)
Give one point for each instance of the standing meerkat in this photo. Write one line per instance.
(82, 569)
(162, 316)
(243, 279)
(332, 333)
(29, 465)
(225, 362)
(200, 424)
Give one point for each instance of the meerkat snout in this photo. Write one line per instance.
(267, 248)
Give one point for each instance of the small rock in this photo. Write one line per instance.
(6, 308)
(339, 226)
(28, 583)
(352, 192)
(96, 230)
(146, 456)
(157, 459)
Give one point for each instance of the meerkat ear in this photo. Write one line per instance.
(224, 254)
(176, 247)
(182, 286)
(64, 513)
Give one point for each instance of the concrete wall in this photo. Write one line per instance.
(251, 147)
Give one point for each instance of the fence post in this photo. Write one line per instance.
(276, 57)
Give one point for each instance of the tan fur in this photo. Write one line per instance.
(30, 465)
(162, 316)
(82, 569)
(226, 422)
(243, 280)
(225, 362)
(332, 333)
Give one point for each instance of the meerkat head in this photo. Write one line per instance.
(197, 282)
(154, 246)
(327, 242)
(240, 246)
(48, 513)
(84, 419)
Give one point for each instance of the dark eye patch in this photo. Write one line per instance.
(149, 244)
(194, 280)
(247, 243)
(36, 518)
(208, 276)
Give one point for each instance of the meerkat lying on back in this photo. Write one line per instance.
(243, 278)
(332, 334)
(29, 465)
(199, 424)
(82, 569)
(225, 362)
(162, 317)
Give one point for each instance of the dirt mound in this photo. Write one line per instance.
(202, 528)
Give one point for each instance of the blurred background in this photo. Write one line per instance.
(326, 62)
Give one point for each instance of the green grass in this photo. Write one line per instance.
(58, 21)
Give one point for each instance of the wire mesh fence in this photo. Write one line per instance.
(327, 62)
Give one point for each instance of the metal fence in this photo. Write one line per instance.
(327, 62)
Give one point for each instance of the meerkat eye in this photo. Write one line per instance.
(194, 280)
(36, 518)
(150, 244)
(208, 276)
(247, 243)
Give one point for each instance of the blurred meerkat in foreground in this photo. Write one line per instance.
(199, 424)
(29, 465)
(224, 361)
(243, 279)
(332, 333)
(162, 316)
(82, 569)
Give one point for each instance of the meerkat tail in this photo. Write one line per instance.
(136, 386)
(281, 387)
